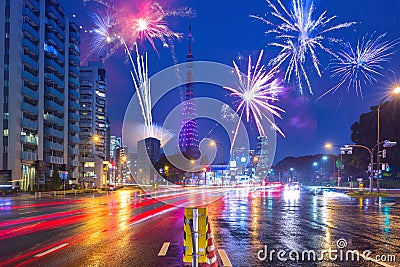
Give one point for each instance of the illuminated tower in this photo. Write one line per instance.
(188, 136)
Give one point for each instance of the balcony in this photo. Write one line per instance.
(53, 79)
(29, 77)
(49, 104)
(29, 124)
(30, 16)
(85, 124)
(30, 32)
(54, 40)
(28, 155)
(86, 84)
(73, 128)
(54, 159)
(29, 62)
(73, 151)
(73, 139)
(75, 49)
(75, 37)
(28, 139)
(53, 146)
(51, 91)
(53, 132)
(74, 82)
(73, 163)
(28, 108)
(73, 105)
(30, 47)
(73, 117)
(53, 65)
(28, 92)
(74, 60)
(33, 5)
(53, 26)
(52, 12)
(55, 120)
(74, 93)
(74, 71)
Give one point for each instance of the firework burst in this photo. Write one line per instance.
(361, 65)
(148, 23)
(256, 92)
(301, 34)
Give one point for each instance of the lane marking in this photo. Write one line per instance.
(51, 250)
(224, 258)
(164, 249)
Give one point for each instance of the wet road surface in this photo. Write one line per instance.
(126, 229)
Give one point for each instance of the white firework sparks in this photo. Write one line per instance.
(300, 36)
(228, 114)
(141, 82)
(257, 91)
(361, 65)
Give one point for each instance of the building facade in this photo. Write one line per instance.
(39, 66)
(148, 153)
(93, 121)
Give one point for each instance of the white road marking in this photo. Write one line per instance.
(164, 249)
(224, 258)
(51, 250)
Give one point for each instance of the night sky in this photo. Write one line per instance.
(223, 30)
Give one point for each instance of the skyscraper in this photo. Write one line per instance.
(148, 154)
(39, 59)
(93, 122)
(188, 136)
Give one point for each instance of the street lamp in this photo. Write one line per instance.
(93, 139)
(395, 91)
(213, 143)
(324, 158)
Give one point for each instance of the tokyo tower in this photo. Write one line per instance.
(188, 136)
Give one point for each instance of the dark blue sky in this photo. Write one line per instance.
(222, 30)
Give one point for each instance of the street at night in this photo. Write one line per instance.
(127, 229)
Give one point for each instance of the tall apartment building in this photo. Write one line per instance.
(93, 121)
(39, 88)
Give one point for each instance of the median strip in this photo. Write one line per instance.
(51, 250)
(164, 249)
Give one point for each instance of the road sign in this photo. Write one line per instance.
(202, 230)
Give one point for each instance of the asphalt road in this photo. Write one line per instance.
(129, 229)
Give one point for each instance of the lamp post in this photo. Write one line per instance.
(315, 164)
(371, 158)
(329, 146)
(213, 143)
(95, 139)
(395, 91)
(123, 160)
